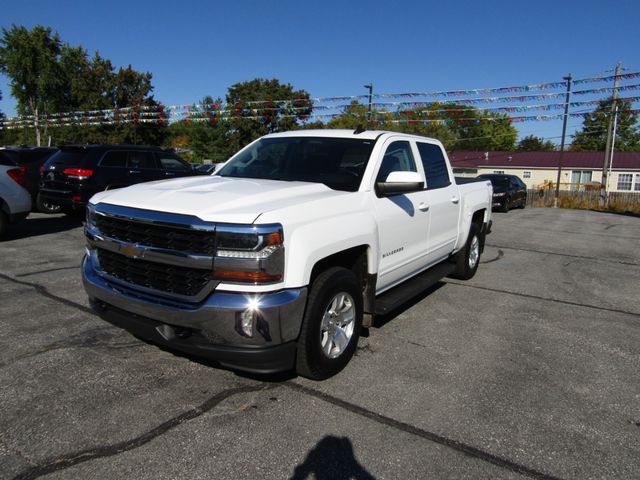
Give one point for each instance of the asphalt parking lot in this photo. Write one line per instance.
(529, 370)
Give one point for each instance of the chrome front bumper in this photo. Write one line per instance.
(211, 328)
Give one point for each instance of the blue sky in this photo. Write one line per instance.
(332, 48)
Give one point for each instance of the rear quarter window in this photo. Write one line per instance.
(7, 159)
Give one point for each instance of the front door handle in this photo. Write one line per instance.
(134, 171)
(454, 199)
(423, 207)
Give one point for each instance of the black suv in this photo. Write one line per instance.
(508, 191)
(32, 158)
(76, 172)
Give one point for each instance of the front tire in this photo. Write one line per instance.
(331, 325)
(468, 259)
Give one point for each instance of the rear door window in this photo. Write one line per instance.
(435, 166)
(170, 161)
(115, 158)
(141, 160)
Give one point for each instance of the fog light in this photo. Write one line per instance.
(245, 322)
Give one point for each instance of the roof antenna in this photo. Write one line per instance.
(359, 129)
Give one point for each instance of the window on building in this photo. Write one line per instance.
(499, 172)
(636, 187)
(624, 181)
(579, 178)
(526, 174)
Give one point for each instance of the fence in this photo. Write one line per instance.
(618, 201)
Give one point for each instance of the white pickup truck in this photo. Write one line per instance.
(278, 260)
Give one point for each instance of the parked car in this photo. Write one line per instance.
(208, 168)
(508, 191)
(76, 172)
(280, 258)
(33, 158)
(15, 200)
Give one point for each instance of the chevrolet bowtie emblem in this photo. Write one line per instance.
(131, 251)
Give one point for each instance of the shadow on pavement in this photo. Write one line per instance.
(331, 458)
(34, 226)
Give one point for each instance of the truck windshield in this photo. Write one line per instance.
(338, 163)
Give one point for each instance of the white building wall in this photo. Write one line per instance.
(538, 177)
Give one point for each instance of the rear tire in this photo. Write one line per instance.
(4, 223)
(331, 325)
(45, 206)
(468, 259)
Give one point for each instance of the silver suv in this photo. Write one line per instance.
(15, 200)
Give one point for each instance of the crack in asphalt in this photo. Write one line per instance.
(584, 257)
(45, 293)
(80, 340)
(456, 445)
(590, 233)
(69, 460)
(547, 299)
(47, 271)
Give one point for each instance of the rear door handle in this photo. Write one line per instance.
(423, 207)
(454, 199)
(134, 171)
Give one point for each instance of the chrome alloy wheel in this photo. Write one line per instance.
(337, 325)
(474, 252)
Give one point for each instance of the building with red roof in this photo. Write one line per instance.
(539, 169)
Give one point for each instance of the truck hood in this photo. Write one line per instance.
(216, 199)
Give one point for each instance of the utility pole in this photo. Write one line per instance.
(370, 87)
(568, 78)
(613, 147)
(607, 151)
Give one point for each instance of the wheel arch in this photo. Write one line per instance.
(359, 260)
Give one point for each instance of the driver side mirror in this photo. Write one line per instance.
(398, 183)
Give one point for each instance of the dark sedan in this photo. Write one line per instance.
(508, 191)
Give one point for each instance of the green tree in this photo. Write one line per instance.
(531, 143)
(203, 131)
(353, 116)
(484, 130)
(261, 106)
(434, 121)
(593, 135)
(50, 76)
(30, 58)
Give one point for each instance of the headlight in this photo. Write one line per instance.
(90, 216)
(249, 254)
(501, 194)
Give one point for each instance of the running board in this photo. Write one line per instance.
(392, 299)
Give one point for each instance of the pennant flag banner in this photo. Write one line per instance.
(411, 106)
(624, 76)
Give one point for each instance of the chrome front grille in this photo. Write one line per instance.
(158, 236)
(169, 279)
(159, 253)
